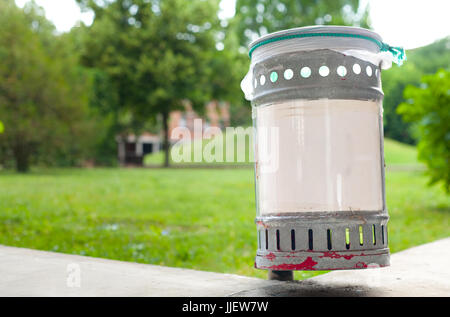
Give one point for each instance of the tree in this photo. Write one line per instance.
(103, 102)
(155, 53)
(428, 107)
(421, 61)
(43, 100)
(227, 66)
(259, 17)
(394, 82)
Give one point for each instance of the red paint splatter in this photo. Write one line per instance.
(360, 265)
(270, 256)
(262, 224)
(335, 255)
(307, 265)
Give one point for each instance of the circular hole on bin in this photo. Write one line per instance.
(305, 72)
(342, 71)
(356, 69)
(324, 71)
(369, 71)
(262, 80)
(273, 76)
(288, 74)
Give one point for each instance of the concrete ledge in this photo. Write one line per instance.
(420, 271)
(26, 272)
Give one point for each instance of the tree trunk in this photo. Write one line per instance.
(21, 156)
(166, 145)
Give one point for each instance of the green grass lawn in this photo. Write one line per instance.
(399, 153)
(193, 218)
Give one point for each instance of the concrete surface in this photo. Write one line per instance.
(420, 271)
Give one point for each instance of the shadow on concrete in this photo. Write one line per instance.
(309, 288)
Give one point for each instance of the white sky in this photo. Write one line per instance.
(407, 23)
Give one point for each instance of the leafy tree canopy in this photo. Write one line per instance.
(421, 61)
(157, 54)
(259, 17)
(428, 108)
(43, 103)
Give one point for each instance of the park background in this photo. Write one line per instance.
(68, 97)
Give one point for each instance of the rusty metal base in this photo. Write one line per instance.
(322, 241)
(322, 260)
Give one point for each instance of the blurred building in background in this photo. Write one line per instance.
(217, 114)
(132, 149)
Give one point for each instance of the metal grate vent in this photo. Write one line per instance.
(370, 236)
(297, 244)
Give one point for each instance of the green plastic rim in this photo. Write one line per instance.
(397, 52)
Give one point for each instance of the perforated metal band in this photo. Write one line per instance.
(365, 85)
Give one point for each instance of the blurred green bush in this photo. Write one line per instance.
(428, 108)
